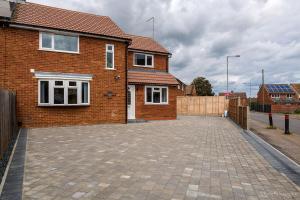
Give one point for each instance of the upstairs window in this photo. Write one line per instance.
(289, 96)
(110, 64)
(63, 92)
(143, 60)
(275, 96)
(156, 95)
(59, 43)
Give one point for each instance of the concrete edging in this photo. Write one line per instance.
(279, 161)
(12, 188)
(9, 163)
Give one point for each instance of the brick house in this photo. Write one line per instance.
(181, 88)
(281, 97)
(152, 90)
(190, 90)
(296, 88)
(69, 68)
(232, 95)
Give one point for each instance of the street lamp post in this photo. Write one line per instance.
(236, 56)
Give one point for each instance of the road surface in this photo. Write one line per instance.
(278, 121)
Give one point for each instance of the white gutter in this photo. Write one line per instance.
(28, 27)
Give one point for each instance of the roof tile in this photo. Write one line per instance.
(146, 44)
(57, 18)
(151, 77)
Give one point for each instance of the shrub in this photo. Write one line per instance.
(297, 111)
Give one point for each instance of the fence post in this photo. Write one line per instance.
(248, 117)
(238, 113)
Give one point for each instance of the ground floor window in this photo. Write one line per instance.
(63, 92)
(156, 95)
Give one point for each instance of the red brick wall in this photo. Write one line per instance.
(23, 55)
(155, 112)
(263, 92)
(287, 108)
(160, 62)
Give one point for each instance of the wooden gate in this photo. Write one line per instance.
(201, 105)
(8, 121)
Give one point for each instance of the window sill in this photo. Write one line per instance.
(112, 69)
(143, 66)
(156, 104)
(63, 105)
(58, 51)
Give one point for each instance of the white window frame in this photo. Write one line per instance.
(51, 86)
(146, 65)
(160, 90)
(290, 96)
(52, 43)
(113, 56)
(275, 96)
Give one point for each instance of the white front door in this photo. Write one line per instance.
(131, 101)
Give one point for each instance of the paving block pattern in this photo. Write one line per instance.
(186, 159)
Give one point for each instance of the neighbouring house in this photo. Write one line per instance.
(232, 94)
(281, 97)
(69, 67)
(181, 87)
(190, 90)
(296, 88)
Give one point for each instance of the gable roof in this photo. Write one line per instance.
(279, 88)
(180, 82)
(56, 18)
(296, 87)
(190, 90)
(146, 44)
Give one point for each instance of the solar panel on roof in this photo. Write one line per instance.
(279, 88)
(275, 88)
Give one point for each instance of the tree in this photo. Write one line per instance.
(203, 87)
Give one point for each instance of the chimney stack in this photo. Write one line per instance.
(5, 10)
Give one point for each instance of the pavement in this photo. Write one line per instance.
(189, 158)
(289, 144)
(278, 120)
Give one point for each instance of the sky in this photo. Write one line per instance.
(200, 34)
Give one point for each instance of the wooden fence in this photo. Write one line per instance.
(8, 121)
(238, 111)
(201, 105)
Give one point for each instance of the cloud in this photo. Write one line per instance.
(200, 34)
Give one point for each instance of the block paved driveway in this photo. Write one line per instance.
(189, 158)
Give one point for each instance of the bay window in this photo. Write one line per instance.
(156, 95)
(63, 92)
(144, 60)
(58, 42)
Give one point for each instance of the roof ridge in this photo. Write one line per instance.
(64, 9)
(148, 37)
(277, 84)
(139, 36)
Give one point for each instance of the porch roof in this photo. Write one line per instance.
(151, 77)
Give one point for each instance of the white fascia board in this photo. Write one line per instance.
(65, 76)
